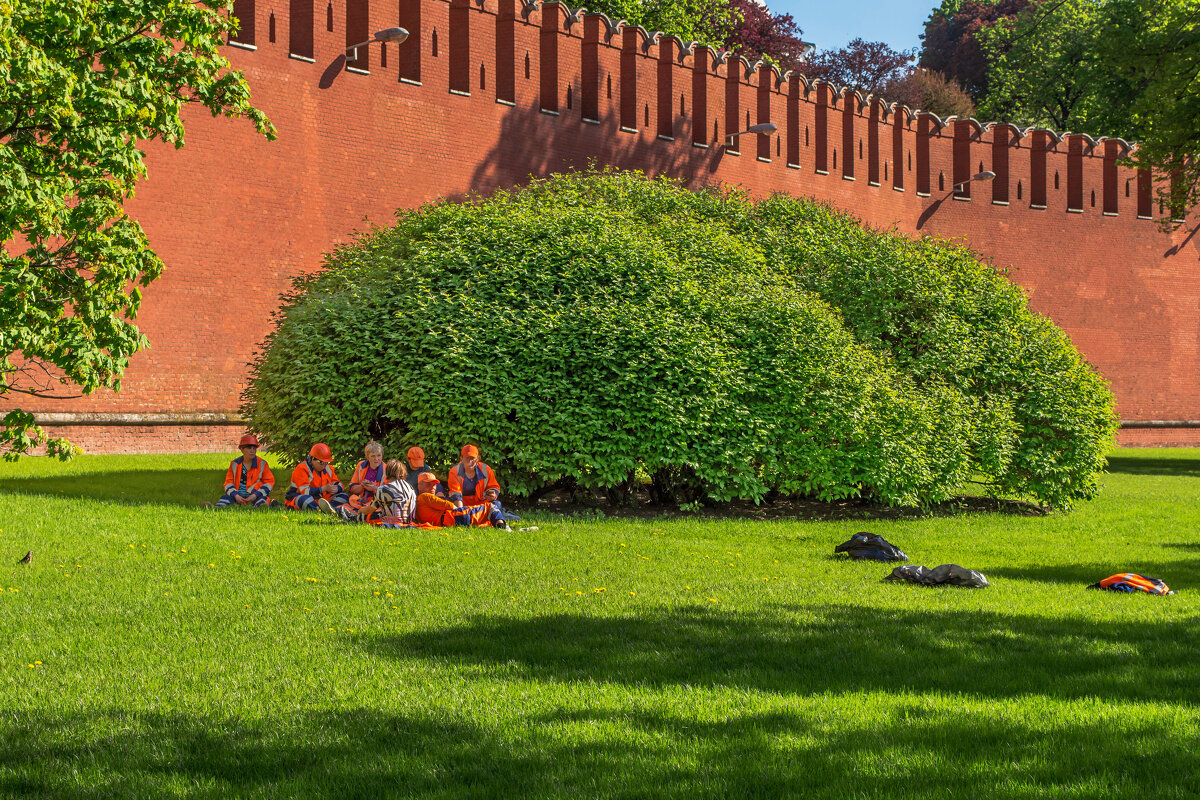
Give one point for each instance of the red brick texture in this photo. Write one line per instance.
(467, 105)
(152, 438)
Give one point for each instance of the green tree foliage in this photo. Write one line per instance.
(1128, 68)
(1047, 66)
(594, 327)
(706, 21)
(82, 83)
(1155, 47)
(744, 27)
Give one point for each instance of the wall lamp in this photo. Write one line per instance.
(986, 175)
(396, 35)
(762, 127)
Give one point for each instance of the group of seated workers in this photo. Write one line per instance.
(395, 494)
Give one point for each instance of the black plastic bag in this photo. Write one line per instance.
(944, 575)
(870, 546)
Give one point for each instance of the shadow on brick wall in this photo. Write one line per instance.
(532, 143)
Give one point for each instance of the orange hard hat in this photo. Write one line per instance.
(426, 479)
(470, 451)
(416, 457)
(248, 439)
(320, 451)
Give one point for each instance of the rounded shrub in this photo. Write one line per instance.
(1041, 419)
(596, 328)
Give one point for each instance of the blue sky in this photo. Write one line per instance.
(832, 24)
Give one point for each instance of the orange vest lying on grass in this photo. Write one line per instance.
(1132, 582)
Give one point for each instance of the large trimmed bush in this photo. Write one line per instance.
(600, 328)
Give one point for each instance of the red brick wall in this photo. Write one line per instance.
(152, 438)
(235, 217)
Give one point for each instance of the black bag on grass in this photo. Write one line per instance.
(871, 546)
(945, 575)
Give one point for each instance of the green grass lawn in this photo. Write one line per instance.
(155, 649)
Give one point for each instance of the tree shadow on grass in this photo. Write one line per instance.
(562, 505)
(1177, 574)
(181, 487)
(832, 648)
(1172, 467)
(911, 750)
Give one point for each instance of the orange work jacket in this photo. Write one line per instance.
(257, 475)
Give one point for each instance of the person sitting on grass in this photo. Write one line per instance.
(392, 506)
(416, 466)
(442, 513)
(314, 480)
(368, 476)
(470, 478)
(248, 481)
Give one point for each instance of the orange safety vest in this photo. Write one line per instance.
(483, 478)
(304, 477)
(1135, 581)
(364, 472)
(257, 475)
